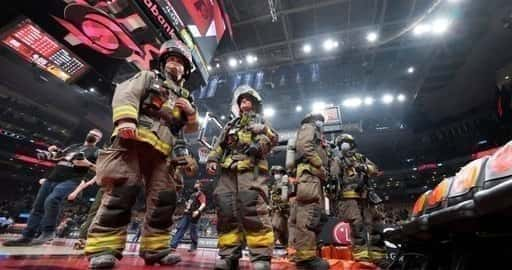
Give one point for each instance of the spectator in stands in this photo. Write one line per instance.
(194, 206)
(73, 164)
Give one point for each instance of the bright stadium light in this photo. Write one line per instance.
(372, 37)
(387, 99)
(401, 98)
(209, 67)
(217, 65)
(232, 62)
(410, 70)
(352, 102)
(440, 26)
(421, 29)
(269, 112)
(307, 48)
(298, 108)
(330, 44)
(368, 101)
(92, 89)
(251, 59)
(318, 106)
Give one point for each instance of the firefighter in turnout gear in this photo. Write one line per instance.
(292, 192)
(280, 206)
(240, 155)
(357, 199)
(311, 160)
(150, 111)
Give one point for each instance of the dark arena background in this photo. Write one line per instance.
(424, 87)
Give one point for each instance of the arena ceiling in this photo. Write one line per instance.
(454, 71)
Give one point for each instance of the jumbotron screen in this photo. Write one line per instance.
(38, 47)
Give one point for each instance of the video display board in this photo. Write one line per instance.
(38, 47)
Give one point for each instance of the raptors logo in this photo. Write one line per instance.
(341, 233)
(106, 34)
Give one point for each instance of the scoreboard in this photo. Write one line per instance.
(38, 47)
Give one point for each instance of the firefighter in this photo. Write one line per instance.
(150, 111)
(241, 192)
(280, 206)
(357, 199)
(292, 192)
(311, 158)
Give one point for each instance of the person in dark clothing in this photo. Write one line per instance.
(73, 164)
(194, 207)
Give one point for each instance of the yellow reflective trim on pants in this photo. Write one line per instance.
(230, 239)
(360, 254)
(98, 242)
(260, 239)
(304, 255)
(155, 242)
(350, 194)
(124, 111)
(376, 255)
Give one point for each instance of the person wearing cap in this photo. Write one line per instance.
(74, 163)
(150, 111)
(240, 196)
(312, 162)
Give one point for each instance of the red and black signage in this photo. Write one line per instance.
(38, 47)
(134, 29)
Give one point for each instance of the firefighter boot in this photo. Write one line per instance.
(226, 264)
(106, 261)
(313, 264)
(261, 265)
(163, 258)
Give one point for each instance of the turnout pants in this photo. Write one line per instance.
(308, 216)
(123, 169)
(90, 215)
(365, 229)
(280, 225)
(243, 216)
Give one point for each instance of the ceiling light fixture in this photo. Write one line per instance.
(318, 106)
(251, 59)
(352, 102)
(307, 48)
(368, 101)
(372, 37)
(232, 62)
(440, 26)
(330, 44)
(387, 99)
(269, 112)
(421, 29)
